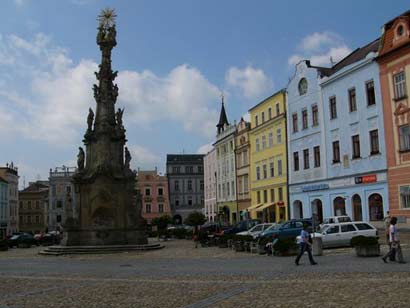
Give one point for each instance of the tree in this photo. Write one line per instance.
(161, 222)
(195, 219)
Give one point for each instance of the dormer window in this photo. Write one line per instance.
(303, 86)
(400, 30)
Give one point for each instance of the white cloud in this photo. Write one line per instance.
(19, 3)
(320, 48)
(184, 95)
(247, 117)
(143, 158)
(55, 102)
(204, 149)
(253, 83)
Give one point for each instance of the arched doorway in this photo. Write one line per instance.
(317, 210)
(375, 207)
(357, 207)
(339, 206)
(177, 219)
(297, 209)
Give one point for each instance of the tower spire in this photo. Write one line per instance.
(223, 119)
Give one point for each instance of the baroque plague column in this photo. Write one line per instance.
(104, 183)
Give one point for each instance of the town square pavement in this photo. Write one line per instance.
(181, 276)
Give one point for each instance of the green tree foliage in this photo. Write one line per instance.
(161, 222)
(195, 219)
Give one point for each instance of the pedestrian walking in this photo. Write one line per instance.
(394, 243)
(305, 245)
(196, 236)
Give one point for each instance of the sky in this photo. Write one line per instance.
(174, 58)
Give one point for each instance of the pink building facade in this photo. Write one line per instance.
(153, 188)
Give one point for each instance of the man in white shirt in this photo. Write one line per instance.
(394, 243)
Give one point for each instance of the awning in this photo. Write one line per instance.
(264, 206)
(253, 207)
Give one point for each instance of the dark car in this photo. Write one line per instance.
(288, 229)
(22, 240)
(241, 226)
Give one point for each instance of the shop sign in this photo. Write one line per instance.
(315, 187)
(371, 178)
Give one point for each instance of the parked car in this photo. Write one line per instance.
(243, 225)
(23, 239)
(340, 234)
(212, 227)
(335, 220)
(288, 229)
(256, 230)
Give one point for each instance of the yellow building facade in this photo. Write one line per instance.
(268, 159)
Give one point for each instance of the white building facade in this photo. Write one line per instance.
(210, 167)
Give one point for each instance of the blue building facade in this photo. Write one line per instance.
(305, 126)
(354, 134)
(354, 177)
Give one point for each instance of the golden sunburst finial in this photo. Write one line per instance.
(107, 18)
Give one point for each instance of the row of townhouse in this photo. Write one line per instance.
(336, 141)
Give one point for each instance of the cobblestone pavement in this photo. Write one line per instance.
(182, 276)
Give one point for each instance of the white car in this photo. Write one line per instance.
(256, 230)
(334, 220)
(340, 234)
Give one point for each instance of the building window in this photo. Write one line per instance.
(201, 185)
(21, 205)
(270, 139)
(160, 191)
(295, 122)
(270, 113)
(296, 161)
(265, 171)
(176, 202)
(148, 208)
(303, 86)
(352, 100)
(59, 204)
(258, 173)
(332, 107)
(233, 188)
(263, 142)
(272, 169)
(37, 204)
(400, 30)
(336, 152)
(400, 85)
(371, 98)
(189, 169)
(304, 119)
(176, 185)
(228, 192)
(272, 195)
(265, 196)
(374, 142)
(257, 144)
(190, 201)
(68, 189)
(316, 151)
(315, 115)
(306, 158)
(200, 169)
(279, 167)
(280, 193)
(29, 205)
(256, 120)
(21, 219)
(258, 196)
(263, 117)
(147, 191)
(405, 196)
(58, 218)
(356, 146)
(404, 135)
(277, 109)
(37, 219)
(160, 208)
(189, 184)
(279, 135)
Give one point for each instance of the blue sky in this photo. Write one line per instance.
(174, 58)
